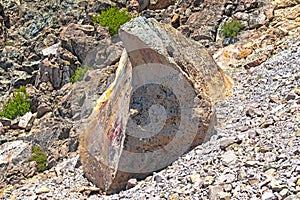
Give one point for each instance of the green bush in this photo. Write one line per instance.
(8, 43)
(79, 74)
(112, 18)
(230, 29)
(18, 104)
(40, 157)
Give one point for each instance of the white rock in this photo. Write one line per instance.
(26, 121)
(229, 157)
(268, 195)
(13, 150)
(42, 190)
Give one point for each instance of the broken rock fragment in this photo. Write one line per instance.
(157, 108)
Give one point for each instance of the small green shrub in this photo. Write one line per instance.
(79, 74)
(112, 18)
(258, 77)
(8, 43)
(40, 157)
(230, 29)
(18, 104)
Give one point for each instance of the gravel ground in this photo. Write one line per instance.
(255, 154)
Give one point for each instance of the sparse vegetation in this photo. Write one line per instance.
(112, 18)
(230, 29)
(258, 77)
(8, 43)
(18, 104)
(40, 157)
(79, 74)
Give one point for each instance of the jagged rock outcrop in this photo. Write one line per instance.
(157, 108)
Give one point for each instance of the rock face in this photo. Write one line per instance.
(157, 108)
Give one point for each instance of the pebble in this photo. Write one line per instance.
(174, 196)
(89, 188)
(224, 195)
(252, 163)
(131, 183)
(42, 190)
(195, 178)
(227, 142)
(214, 190)
(208, 181)
(274, 98)
(270, 157)
(268, 195)
(284, 192)
(290, 97)
(229, 157)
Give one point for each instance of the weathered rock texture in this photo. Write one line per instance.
(164, 80)
(255, 46)
(15, 163)
(4, 23)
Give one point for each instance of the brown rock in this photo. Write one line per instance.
(118, 146)
(256, 61)
(50, 70)
(79, 39)
(105, 53)
(175, 20)
(99, 6)
(5, 122)
(203, 23)
(53, 135)
(287, 19)
(43, 109)
(135, 7)
(159, 4)
(224, 143)
(174, 196)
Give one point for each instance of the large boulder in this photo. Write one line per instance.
(157, 108)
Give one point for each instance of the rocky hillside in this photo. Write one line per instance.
(255, 154)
